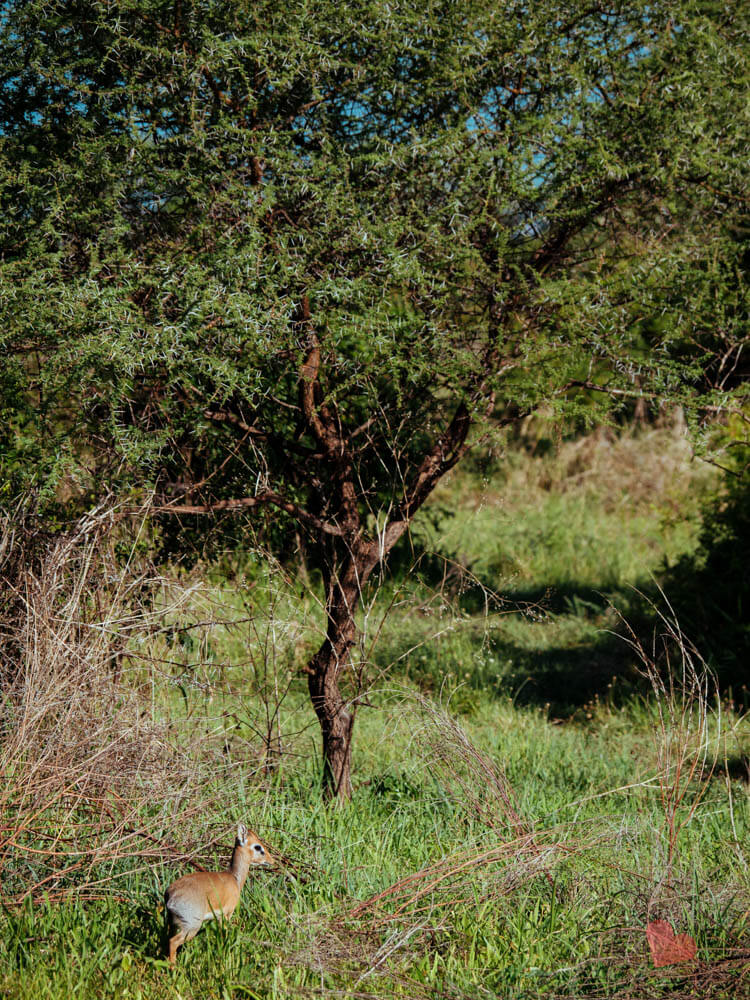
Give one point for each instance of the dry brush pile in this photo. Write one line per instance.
(93, 774)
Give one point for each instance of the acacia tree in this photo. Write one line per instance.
(288, 256)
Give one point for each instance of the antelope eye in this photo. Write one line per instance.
(258, 848)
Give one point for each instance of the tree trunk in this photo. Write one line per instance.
(336, 723)
(336, 718)
(347, 557)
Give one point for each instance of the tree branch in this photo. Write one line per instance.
(224, 417)
(448, 449)
(639, 394)
(319, 418)
(266, 497)
(249, 430)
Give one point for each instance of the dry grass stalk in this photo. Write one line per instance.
(469, 877)
(89, 776)
(688, 735)
(420, 907)
(473, 780)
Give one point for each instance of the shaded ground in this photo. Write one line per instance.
(528, 576)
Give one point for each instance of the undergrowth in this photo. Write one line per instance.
(506, 837)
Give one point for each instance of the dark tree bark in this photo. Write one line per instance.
(335, 716)
(344, 578)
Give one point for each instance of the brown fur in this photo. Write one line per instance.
(201, 896)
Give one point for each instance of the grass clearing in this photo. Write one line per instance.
(564, 915)
(506, 838)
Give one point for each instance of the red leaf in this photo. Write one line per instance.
(668, 948)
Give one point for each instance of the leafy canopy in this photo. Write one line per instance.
(463, 203)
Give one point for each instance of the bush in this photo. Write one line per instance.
(710, 588)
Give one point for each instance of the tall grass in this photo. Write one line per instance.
(83, 759)
(109, 725)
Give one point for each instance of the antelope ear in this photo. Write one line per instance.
(242, 834)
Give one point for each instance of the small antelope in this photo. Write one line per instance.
(201, 896)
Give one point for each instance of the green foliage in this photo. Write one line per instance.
(472, 199)
(709, 587)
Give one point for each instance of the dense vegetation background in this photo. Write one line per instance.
(384, 365)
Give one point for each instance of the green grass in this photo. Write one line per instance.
(534, 693)
(581, 934)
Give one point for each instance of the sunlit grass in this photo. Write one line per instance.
(590, 785)
(533, 689)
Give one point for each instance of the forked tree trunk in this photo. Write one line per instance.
(348, 553)
(348, 557)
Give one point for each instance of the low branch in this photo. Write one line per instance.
(363, 427)
(446, 452)
(450, 447)
(250, 430)
(242, 503)
(224, 417)
(654, 396)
